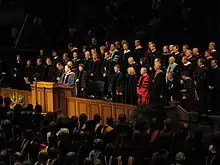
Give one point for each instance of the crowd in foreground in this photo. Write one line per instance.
(29, 138)
(131, 76)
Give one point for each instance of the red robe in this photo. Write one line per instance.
(143, 90)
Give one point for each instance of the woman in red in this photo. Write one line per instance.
(143, 88)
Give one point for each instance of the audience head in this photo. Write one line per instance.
(125, 46)
(188, 53)
(176, 49)
(160, 158)
(7, 101)
(29, 107)
(185, 60)
(117, 68)
(157, 66)
(109, 121)
(165, 49)
(97, 118)
(39, 61)
(201, 62)
(122, 118)
(150, 43)
(131, 71)
(171, 60)
(211, 46)
(83, 118)
(67, 68)
(103, 49)
(185, 48)
(143, 71)
(214, 63)
(131, 60)
(171, 48)
(195, 51)
(180, 158)
(137, 43)
(87, 54)
(123, 42)
(207, 53)
(38, 108)
(27, 162)
(54, 53)
(156, 60)
(18, 57)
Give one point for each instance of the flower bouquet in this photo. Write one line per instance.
(16, 99)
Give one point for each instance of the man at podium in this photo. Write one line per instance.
(68, 78)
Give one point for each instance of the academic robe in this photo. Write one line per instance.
(29, 72)
(76, 62)
(118, 87)
(86, 63)
(158, 86)
(188, 96)
(55, 60)
(68, 79)
(208, 62)
(178, 57)
(202, 88)
(18, 75)
(107, 70)
(193, 61)
(165, 59)
(95, 70)
(214, 54)
(130, 92)
(214, 83)
(136, 67)
(124, 61)
(173, 90)
(49, 73)
(40, 72)
(151, 57)
(187, 68)
(143, 90)
(115, 57)
(82, 85)
(138, 54)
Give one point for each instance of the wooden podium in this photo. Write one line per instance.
(50, 95)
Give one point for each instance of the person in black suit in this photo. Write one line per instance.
(107, 72)
(158, 92)
(152, 55)
(201, 82)
(49, 70)
(136, 66)
(191, 59)
(131, 83)
(138, 51)
(55, 59)
(29, 71)
(86, 61)
(40, 71)
(82, 82)
(124, 58)
(187, 66)
(118, 85)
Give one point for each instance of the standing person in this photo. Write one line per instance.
(131, 82)
(158, 92)
(124, 58)
(138, 51)
(202, 85)
(118, 85)
(82, 82)
(143, 88)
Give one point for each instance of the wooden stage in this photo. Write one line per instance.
(52, 98)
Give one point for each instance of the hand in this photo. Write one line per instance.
(161, 96)
(15, 75)
(77, 80)
(104, 74)
(120, 93)
(151, 68)
(211, 88)
(58, 79)
(82, 89)
(91, 74)
(195, 82)
(181, 81)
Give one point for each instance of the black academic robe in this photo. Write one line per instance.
(208, 62)
(118, 85)
(18, 75)
(124, 61)
(202, 88)
(215, 55)
(193, 61)
(29, 71)
(151, 57)
(138, 54)
(165, 59)
(107, 68)
(136, 67)
(49, 73)
(130, 89)
(178, 57)
(173, 90)
(95, 70)
(82, 85)
(188, 96)
(40, 72)
(187, 68)
(214, 83)
(76, 62)
(158, 90)
(86, 63)
(55, 60)
(58, 74)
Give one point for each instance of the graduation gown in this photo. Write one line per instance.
(178, 57)
(151, 57)
(118, 87)
(82, 85)
(165, 59)
(95, 69)
(124, 61)
(193, 61)
(40, 72)
(29, 72)
(202, 88)
(138, 54)
(86, 63)
(136, 67)
(187, 68)
(143, 90)
(130, 92)
(158, 90)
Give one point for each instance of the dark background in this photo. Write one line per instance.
(49, 23)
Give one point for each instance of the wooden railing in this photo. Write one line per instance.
(74, 106)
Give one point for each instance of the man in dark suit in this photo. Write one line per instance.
(55, 59)
(202, 85)
(124, 58)
(118, 85)
(82, 82)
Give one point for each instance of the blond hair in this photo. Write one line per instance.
(131, 71)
